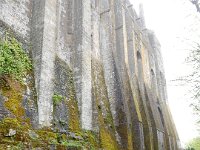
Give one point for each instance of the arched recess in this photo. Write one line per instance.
(144, 104)
(161, 136)
(153, 80)
(161, 117)
(139, 66)
(163, 86)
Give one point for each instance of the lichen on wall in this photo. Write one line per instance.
(105, 121)
(66, 113)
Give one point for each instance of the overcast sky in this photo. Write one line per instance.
(177, 25)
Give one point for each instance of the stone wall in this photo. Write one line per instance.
(99, 58)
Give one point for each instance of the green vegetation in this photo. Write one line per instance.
(72, 144)
(57, 99)
(14, 62)
(194, 144)
(27, 137)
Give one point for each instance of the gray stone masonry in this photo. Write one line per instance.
(98, 55)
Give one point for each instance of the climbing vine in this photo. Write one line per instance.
(14, 62)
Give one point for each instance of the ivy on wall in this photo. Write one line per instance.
(14, 62)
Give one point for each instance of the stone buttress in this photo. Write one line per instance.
(95, 68)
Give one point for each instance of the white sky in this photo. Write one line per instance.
(177, 25)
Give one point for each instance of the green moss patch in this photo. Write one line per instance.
(74, 124)
(27, 137)
(105, 120)
(13, 93)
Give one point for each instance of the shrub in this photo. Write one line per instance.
(14, 62)
(57, 99)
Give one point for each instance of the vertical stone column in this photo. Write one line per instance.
(43, 39)
(82, 60)
(106, 47)
(112, 73)
(96, 63)
(64, 37)
(144, 102)
(139, 118)
(121, 60)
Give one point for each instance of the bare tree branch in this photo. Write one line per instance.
(196, 3)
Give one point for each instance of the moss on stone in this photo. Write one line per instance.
(106, 132)
(21, 129)
(14, 95)
(92, 138)
(130, 141)
(107, 141)
(74, 124)
(105, 120)
(44, 138)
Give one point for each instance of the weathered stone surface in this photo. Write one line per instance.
(44, 18)
(17, 14)
(95, 68)
(3, 111)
